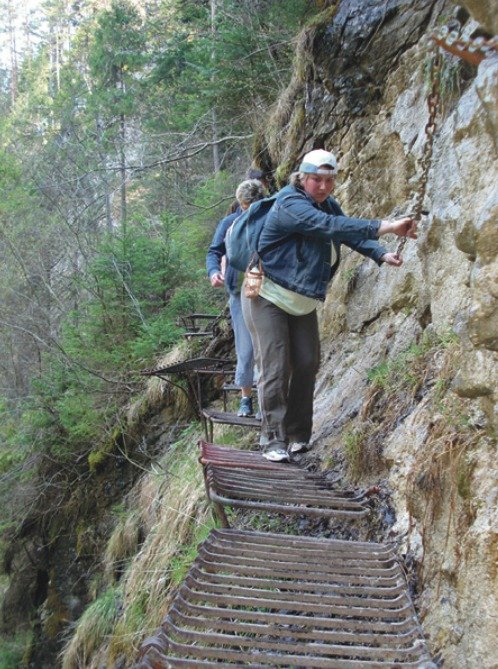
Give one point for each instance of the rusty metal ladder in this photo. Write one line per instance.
(213, 417)
(192, 371)
(244, 479)
(259, 600)
(198, 325)
(256, 600)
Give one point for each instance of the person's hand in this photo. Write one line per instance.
(217, 280)
(392, 259)
(403, 227)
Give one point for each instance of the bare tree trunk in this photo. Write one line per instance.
(14, 71)
(216, 148)
(214, 119)
(122, 154)
(28, 42)
(107, 195)
(122, 169)
(108, 208)
(57, 61)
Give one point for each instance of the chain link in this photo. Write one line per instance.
(430, 129)
(471, 49)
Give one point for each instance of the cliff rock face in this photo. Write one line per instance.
(407, 388)
(406, 396)
(485, 12)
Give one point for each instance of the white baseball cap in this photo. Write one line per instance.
(313, 160)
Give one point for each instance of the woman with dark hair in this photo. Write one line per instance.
(309, 228)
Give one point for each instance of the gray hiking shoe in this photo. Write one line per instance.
(276, 452)
(245, 407)
(298, 447)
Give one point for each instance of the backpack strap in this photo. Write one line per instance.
(272, 245)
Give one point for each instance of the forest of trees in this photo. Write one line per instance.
(124, 130)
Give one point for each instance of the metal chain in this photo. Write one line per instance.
(430, 129)
(471, 49)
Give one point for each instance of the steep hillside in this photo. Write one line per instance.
(406, 395)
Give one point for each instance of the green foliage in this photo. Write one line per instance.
(118, 42)
(98, 621)
(109, 301)
(464, 477)
(329, 461)
(96, 459)
(251, 49)
(182, 456)
(450, 79)
(34, 97)
(107, 205)
(135, 615)
(229, 436)
(380, 374)
(12, 190)
(116, 55)
(13, 651)
(349, 274)
(64, 410)
(403, 370)
(102, 613)
(12, 452)
(191, 236)
(119, 510)
(450, 83)
(354, 442)
(181, 563)
(140, 280)
(246, 55)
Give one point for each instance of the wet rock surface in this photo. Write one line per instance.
(364, 97)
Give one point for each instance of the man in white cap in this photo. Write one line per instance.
(305, 230)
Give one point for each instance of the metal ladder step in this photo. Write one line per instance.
(260, 599)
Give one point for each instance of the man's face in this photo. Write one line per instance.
(319, 186)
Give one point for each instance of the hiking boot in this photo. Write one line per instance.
(276, 452)
(245, 407)
(298, 447)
